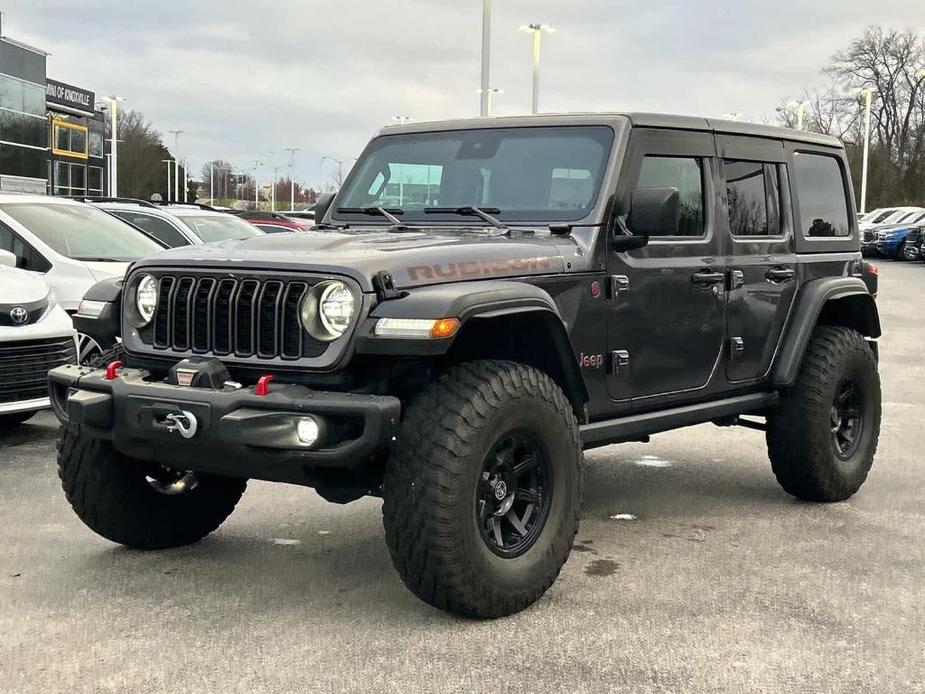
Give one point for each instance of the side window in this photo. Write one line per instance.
(27, 258)
(752, 198)
(820, 189)
(157, 228)
(684, 174)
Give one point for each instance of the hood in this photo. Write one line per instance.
(103, 270)
(21, 287)
(413, 258)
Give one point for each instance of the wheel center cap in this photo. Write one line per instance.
(500, 490)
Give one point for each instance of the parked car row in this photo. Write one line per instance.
(890, 237)
(54, 250)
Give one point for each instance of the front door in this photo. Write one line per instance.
(666, 317)
(760, 258)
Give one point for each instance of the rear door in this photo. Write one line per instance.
(760, 258)
(666, 323)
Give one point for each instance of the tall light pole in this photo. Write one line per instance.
(868, 95)
(292, 151)
(491, 92)
(537, 31)
(114, 160)
(169, 163)
(484, 108)
(211, 182)
(185, 180)
(257, 165)
(176, 157)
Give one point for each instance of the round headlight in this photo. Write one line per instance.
(327, 310)
(146, 298)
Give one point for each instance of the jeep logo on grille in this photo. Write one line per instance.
(18, 315)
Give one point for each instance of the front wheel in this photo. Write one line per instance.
(482, 491)
(823, 436)
(901, 251)
(140, 505)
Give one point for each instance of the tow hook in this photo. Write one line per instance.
(184, 423)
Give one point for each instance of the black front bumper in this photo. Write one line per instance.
(239, 433)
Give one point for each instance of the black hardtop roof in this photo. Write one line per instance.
(641, 120)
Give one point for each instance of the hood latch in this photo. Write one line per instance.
(385, 286)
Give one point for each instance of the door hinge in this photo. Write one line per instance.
(619, 361)
(736, 347)
(618, 285)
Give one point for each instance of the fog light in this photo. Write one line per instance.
(308, 430)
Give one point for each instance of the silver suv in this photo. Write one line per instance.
(179, 224)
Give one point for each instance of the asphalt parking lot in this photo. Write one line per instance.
(693, 572)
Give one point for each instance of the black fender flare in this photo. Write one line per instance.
(477, 304)
(858, 310)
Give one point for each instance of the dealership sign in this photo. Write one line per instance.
(61, 94)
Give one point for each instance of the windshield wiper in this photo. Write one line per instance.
(389, 214)
(470, 211)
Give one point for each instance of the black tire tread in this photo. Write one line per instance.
(444, 423)
(114, 500)
(799, 453)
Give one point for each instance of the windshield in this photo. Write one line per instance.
(219, 227)
(911, 217)
(527, 174)
(81, 232)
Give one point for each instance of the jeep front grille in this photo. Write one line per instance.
(231, 316)
(867, 236)
(914, 236)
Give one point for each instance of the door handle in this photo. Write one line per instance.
(780, 274)
(708, 277)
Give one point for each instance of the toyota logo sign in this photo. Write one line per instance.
(19, 315)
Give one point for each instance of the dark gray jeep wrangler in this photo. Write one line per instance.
(483, 300)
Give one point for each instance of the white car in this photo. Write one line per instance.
(886, 215)
(35, 335)
(73, 245)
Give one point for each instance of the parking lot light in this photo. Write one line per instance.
(491, 91)
(537, 31)
(868, 95)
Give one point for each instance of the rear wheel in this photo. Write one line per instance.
(141, 505)
(823, 437)
(482, 491)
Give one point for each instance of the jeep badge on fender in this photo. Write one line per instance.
(452, 341)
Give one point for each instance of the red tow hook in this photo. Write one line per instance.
(263, 385)
(111, 374)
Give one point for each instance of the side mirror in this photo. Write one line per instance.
(7, 259)
(322, 205)
(629, 242)
(655, 212)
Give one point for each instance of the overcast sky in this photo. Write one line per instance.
(244, 79)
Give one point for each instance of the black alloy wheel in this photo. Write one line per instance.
(514, 494)
(847, 419)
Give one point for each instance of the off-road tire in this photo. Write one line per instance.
(431, 525)
(110, 494)
(799, 433)
(106, 357)
(900, 252)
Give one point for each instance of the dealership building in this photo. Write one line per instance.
(51, 134)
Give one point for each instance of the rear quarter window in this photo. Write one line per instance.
(820, 186)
